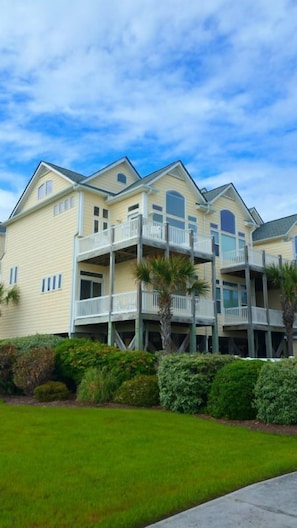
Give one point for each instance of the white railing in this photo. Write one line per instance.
(95, 241)
(91, 307)
(236, 315)
(239, 315)
(124, 303)
(255, 258)
(152, 231)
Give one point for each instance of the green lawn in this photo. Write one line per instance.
(114, 468)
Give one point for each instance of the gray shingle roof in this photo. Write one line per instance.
(275, 228)
(211, 195)
(73, 176)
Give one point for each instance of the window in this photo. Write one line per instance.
(234, 294)
(133, 207)
(13, 275)
(158, 218)
(157, 207)
(63, 206)
(218, 298)
(133, 211)
(54, 282)
(227, 221)
(90, 285)
(121, 178)
(175, 204)
(99, 214)
(44, 189)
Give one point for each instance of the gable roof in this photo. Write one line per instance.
(42, 168)
(275, 228)
(176, 168)
(113, 165)
(229, 189)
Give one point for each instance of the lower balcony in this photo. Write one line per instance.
(239, 316)
(124, 306)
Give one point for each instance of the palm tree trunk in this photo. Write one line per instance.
(165, 324)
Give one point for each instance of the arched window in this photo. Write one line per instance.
(227, 221)
(175, 204)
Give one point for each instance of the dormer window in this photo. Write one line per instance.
(122, 178)
(45, 188)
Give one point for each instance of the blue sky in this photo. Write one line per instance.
(213, 83)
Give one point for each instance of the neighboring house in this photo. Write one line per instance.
(72, 242)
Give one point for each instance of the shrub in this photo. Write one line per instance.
(185, 380)
(140, 391)
(276, 392)
(232, 392)
(51, 391)
(8, 355)
(75, 356)
(33, 368)
(97, 386)
(23, 344)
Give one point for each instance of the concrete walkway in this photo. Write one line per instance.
(268, 504)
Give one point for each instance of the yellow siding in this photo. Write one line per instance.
(40, 245)
(108, 180)
(280, 246)
(59, 184)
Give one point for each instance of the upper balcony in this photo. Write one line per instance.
(236, 261)
(239, 316)
(124, 306)
(124, 238)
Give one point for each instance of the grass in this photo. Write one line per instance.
(121, 468)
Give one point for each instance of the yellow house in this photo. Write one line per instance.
(72, 241)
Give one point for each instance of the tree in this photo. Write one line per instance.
(9, 295)
(284, 277)
(169, 276)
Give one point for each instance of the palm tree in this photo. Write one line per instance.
(7, 296)
(167, 276)
(284, 277)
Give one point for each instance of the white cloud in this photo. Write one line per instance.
(210, 82)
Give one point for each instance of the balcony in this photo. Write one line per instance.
(151, 233)
(239, 316)
(255, 259)
(124, 305)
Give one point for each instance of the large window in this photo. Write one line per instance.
(234, 295)
(175, 204)
(227, 221)
(90, 284)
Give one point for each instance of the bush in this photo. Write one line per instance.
(51, 391)
(140, 391)
(23, 344)
(232, 391)
(97, 386)
(75, 356)
(33, 368)
(185, 380)
(8, 355)
(276, 393)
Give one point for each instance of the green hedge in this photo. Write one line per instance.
(185, 380)
(23, 344)
(140, 391)
(51, 391)
(276, 392)
(75, 356)
(232, 392)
